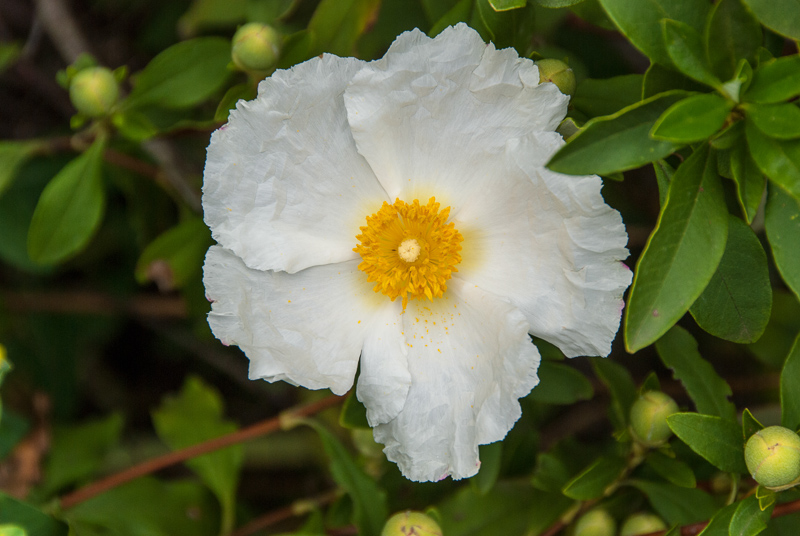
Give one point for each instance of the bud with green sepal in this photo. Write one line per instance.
(597, 522)
(256, 48)
(648, 418)
(642, 523)
(557, 72)
(410, 523)
(772, 456)
(94, 91)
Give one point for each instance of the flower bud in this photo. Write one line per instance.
(642, 523)
(557, 72)
(649, 418)
(596, 522)
(255, 47)
(410, 523)
(94, 91)
(773, 456)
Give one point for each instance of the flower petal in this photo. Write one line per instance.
(430, 115)
(470, 359)
(284, 186)
(306, 328)
(550, 244)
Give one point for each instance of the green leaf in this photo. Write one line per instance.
(790, 388)
(183, 75)
(13, 155)
(779, 121)
(460, 12)
(551, 473)
(337, 24)
(750, 425)
(607, 96)
(749, 180)
(212, 14)
(196, 415)
(677, 505)
(682, 253)
(505, 5)
(134, 125)
(69, 210)
(766, 497)
(296, 49)
(749, 519)
(732, 33)
(775, 81)
(555, 4)
(675, 471)
(640, 22)
(234, 94)
(716, 439)
(664, 173)
(660, 79)
(617, 142)
(34, 521)
(176, 256)
(353, 413)
(709, 392)
(783, 232)
(719, 524)
(736, 304)
(692, 119)
(560, 384)
(491, 456)
(592, 482)
(621, 387)
(781, 16)
(782, 329)
(369, 501)
(686, 50)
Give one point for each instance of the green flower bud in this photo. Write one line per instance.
(94, 91)
(410, 523)
(255, 47)
(649, 418)
(557, 72)
(773, 456)
(596, 522)
(642, 523)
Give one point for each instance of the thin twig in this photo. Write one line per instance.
(295, 509)
(90, 302)
(62, 29)
(150, 466)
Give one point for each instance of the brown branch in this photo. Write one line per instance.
(150, 466)
(295, 509)
(90, 302)
(62, 29)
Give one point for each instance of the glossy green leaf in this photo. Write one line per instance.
(776, 81)
(353, 413)
(716, 439)
(766, 497)
(617, 142)
(682, 253)
(551, 473)
(736, 304)
(234, 94)
(677, 505)
(749, 519)
(592, 482)
(783, 232)
(212, 14)
(460, 12)
(692, 119)
(640, 21)
(176, 256)
(337, 24)
(69, 210)
(660, 79)
(673, 470)
(709, 392)
(749, 180)
(720, 523)
(491, 457)
(183, 75)
(196, 415)
(369, 500)
(607, 96)
(732, 33)
(687, 52)
(790, 388)
(780, 121)
(750, 425)
(664, 173)
(13, 155)
(560, 384)
(296, 49)
(555, 4)
(134, 125)
(781, 16)
(505, 5)
(621, 387)
(33, 520)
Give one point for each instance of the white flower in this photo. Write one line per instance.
(326, 180)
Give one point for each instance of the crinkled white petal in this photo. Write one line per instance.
(284, 186)
(470, 359)
(430, 116)
(550, 244)
(306, 328)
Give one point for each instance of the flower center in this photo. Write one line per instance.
(409, 250)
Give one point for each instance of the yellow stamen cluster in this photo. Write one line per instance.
(409, 250)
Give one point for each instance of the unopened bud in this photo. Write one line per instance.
(557, 72)
(642, 523)
(596, 522)
(649, 418)
(410, 523)
(773, 457)
(94, 91)
(255, 47)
